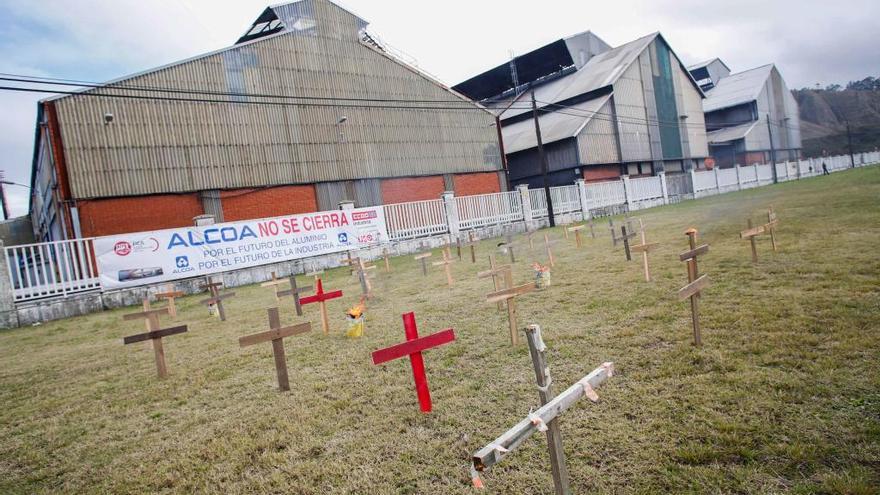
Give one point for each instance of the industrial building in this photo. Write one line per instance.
(751, 116)
(306, 109)
(603, 112)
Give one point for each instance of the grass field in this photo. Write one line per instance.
(784, 395)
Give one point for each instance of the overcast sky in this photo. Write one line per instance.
(811, 41)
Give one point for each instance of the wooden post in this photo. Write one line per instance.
(509, 296)
(592, 232)
(497, 273)
(577, 233)
(423, 258)
(274, 283)
(276, 335)
(458, 248)
(295, 292)
(539, 420)
(447, 260)
(753, 244)
(385, 256)
(170, 296)
(696, 283)
(413, 348)
(321, 297)
(155, 335)
(537, 350)
(471, 243)
(771, 224)
(625, 242)
(644, 248)
(549, 251)
(508, 245)
(361, 269)
(216, 299)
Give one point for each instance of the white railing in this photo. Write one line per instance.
(602, 194)
(488, 209)
(416, 219)
(704, 180)
(52, 269)
(645, 188)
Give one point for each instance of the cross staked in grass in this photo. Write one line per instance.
(508, 296)
(447, 261)
(294, 291)
(752, 232)
(155, 335)
(413, 348)
(696, 282)
(170, 296)
(216, 298)
(276, 336)
(644, 248)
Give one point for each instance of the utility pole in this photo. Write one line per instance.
(544, 164)
(772, 150)
(852, 158)
(3, 195)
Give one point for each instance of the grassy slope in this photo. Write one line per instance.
(783, 397)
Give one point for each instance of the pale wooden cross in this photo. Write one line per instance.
(170, 295)
(274, 283)
(502, 277)
(752, 232)
(385, 257)
(321, 297)
(547, 244)
(447, 260)
(696, 282)
(423, 258)
(577, 233)
(509, 296)
(543, 419)
(350, 262)
(644, 248)
(294, 291)
(276, 335)
(363, 277)
(216, 298)
(154, 334)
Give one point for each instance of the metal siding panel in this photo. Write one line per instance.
(597, 143)
(162, 146)
(629, 101)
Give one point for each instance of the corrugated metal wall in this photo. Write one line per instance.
(364, 192)
(166, 146)
(629, 101)
(597, 143)
(695, 124)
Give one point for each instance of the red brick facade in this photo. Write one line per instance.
(601, 173)
(247, 204)
(408, 189)
(469, 184)
(137, 214)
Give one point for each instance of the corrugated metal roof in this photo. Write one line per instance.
(602, 70)
(706, 63)
(555, 126)
(737, 89)
(731, 133)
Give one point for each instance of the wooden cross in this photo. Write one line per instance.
(508, 296)
(614, 238)
(154, 334)
(361, 271)
(458, 248)
(696, 282)
(625, 237)
(276, 335)
(543, 419)
(592, 232)
(413, 348)
(471, 243)
(170, 296)
(752, 232)
(502, 276)
(274, 283)
(508, 245)
(547, 243)
(644, 248)
(294, 291)
(447, 260)
(216, 299)
(423, 258)
(321, 297)
(350, 262)
(577, 233)
(385, 257)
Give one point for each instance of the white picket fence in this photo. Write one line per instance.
(61, 268)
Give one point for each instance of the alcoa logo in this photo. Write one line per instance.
(122, 248)
(182, 261)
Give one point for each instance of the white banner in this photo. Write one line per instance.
(145, 258)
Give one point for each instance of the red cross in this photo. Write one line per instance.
(321, 297)
(413, 348)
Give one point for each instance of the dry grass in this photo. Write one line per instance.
(783, 397)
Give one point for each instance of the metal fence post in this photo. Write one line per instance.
(582, 195)
(627, 190)
(693, 182)
(717, 180)
(8, 315)
(663, 188)
(451, 207)
(739, 181)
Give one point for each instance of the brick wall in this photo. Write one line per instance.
(407, 189)
(136, 214)
(601, 173)
(482, 183)
(247, 204)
